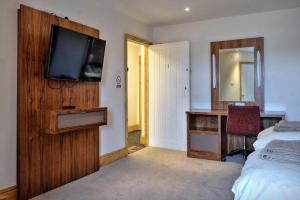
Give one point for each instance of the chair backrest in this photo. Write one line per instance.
(243, 120)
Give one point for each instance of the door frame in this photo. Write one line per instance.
(240, 74)
(135, 39)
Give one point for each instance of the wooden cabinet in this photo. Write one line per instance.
(207, 137)
(62, 121)
(203, 136)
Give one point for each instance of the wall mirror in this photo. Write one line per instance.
(237, 72)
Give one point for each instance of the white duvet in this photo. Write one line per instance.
(267, 180)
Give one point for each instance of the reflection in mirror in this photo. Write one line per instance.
(236, 74)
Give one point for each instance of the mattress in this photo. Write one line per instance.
(267, 180)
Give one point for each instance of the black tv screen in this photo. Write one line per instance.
(74, 56)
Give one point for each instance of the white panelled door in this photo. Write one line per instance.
(169, 94)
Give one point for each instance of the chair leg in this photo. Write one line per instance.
(244, 147)
(244, 150)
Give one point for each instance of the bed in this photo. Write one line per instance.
(268, 180)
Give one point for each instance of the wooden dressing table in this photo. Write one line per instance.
(207, 137)
(237, 77)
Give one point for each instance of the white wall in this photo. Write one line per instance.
(281, 30)
(133, 87)
(8, 90)
(95, 13)
(143, 106)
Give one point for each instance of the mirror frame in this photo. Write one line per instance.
(258, 44)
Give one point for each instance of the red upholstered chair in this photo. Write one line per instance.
(243, 121)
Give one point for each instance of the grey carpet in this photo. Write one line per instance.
(153, 173)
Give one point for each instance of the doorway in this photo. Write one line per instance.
(247, 81)
(136, 63)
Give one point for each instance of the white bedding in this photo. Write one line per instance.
(267, 180)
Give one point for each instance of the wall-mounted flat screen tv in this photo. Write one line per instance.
(74, 56)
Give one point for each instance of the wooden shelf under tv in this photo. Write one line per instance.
(70, 120)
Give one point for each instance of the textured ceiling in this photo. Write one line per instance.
(165, 12)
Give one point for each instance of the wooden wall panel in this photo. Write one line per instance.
(48, 161)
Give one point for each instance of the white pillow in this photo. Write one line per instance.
(265, 132)
(267, 135)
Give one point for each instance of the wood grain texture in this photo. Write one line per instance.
(213, 122)
(258, 44)
(3, 197)
(48, 161)
(132, 128)
(207, 124)
(9, 193)
(51, 119)
(113, 156)
(203, 155)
